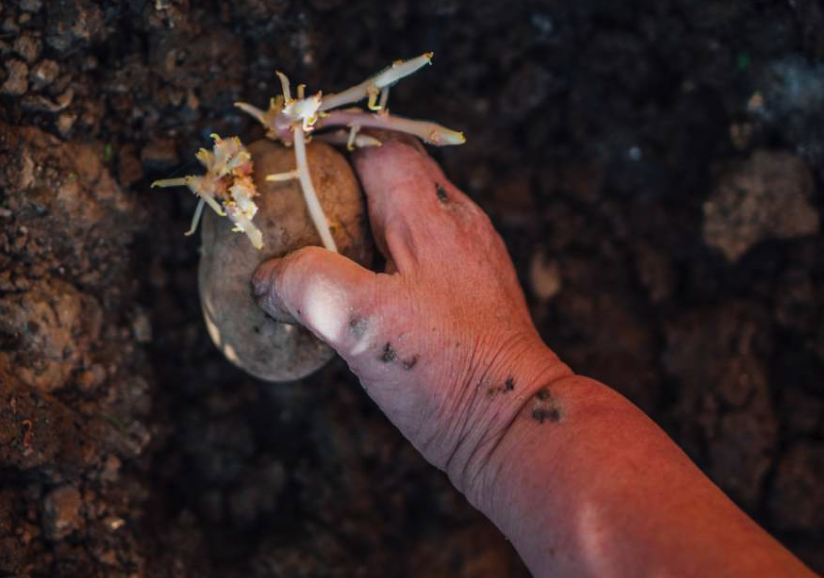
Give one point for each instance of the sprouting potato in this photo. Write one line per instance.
(248, 338)
(282, 200)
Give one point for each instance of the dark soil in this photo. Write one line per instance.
(655, 168)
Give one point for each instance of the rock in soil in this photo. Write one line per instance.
(765, 196)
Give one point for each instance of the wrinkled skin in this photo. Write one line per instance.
(579, 479)
(432, 354)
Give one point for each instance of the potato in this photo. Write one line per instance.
(249, 338)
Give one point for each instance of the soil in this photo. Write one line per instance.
(636, 157)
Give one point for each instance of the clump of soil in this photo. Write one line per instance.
(597, 134)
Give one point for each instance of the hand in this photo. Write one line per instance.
(580, 481)
(443, 340)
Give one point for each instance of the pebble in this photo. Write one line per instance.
(61, 512)
(44, 74)
(65, 123)
(30, 5)
(28, 47)
(765, 196)
(17, 82)
(544, 276)
(142, 328)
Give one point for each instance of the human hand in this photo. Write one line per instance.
(442, 341)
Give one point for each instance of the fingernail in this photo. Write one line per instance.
(263, 291)
(262, 278)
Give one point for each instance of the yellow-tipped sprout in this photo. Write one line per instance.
(227, 186)
(291, 120)
(371, 87)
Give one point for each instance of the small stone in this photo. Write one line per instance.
(765, 196)
(160, 154)
(72, 24)
(49, 321)
(17, 82)
(113, 523)
(544, 276)
(61, 512)
(44, 74)
(30, 5)
(111, 469)
(28, 47)
(65, 123)
(142, 328)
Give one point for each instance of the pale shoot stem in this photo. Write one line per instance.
(384, 99)
(383, 79)
(214, 205)
(401, 69)
(281, 177)
(372, 103)
(341, 137)
(284, 85)
(353, 133)
(312, 202)
(163, 183)
(254, 112)
(196, 218)
(429, 132)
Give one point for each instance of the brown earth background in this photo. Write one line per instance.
(654, 167)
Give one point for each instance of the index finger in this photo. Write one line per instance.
(405, 197)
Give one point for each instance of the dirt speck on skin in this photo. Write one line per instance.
(544, 408)
(440, 191)
(388, 354)
(507, 386)
(597, 135)
(358, 326)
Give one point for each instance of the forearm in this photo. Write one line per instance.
(579, 479)
(583, 483)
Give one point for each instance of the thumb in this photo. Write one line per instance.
(317, 288)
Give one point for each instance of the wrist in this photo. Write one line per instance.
(550, 422)
(500, 395)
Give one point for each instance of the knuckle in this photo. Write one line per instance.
(303, 259)
(298, 266)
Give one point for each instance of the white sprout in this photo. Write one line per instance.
(312, 202)
(227, 186)
(371, 87)
(292, 120)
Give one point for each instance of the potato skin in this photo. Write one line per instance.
(250, 339)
